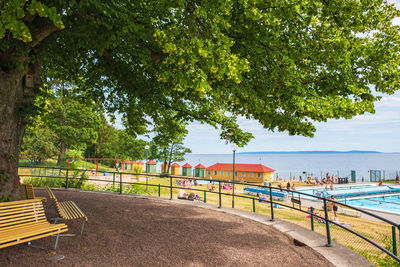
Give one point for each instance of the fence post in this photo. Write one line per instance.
(120, 182)
(312, 218)
(113, 179)
(66, 179)
(205, 196)
(254, 204)
(328, 230)
(394, 240)
(170, 186)
(159, 190)
(219, 193)
(272, 204)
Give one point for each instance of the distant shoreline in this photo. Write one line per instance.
(300, 152)
(316, 152)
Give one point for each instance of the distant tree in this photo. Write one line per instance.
(168, 140)
(73, 118)
(121, 144)
(39, 142)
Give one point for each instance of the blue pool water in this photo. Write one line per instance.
(364, 196)
(388, 203)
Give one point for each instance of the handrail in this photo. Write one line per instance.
(326, 219)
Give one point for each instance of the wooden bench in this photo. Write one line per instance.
(27, 192)
(25, 220)
(67, 210)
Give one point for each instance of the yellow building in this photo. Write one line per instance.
(246, 172)
(175, 169)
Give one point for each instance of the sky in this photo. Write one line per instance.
(378, 132)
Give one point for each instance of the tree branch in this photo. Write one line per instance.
(40, 34)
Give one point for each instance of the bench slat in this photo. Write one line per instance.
(16, 210)
(28, 232)
(33, 238)
(21, 203)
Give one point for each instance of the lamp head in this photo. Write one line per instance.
(234, 147)
(146, 147)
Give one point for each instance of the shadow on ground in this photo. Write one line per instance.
(128, 231)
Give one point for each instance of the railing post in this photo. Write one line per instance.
(394, 240)
(170, 186)
(254, 205)
(120, 182)
(328, 230)
(113, 179)
(272, 204)
(312, 218)
(205, 196)
(66, 179)
(219, 194)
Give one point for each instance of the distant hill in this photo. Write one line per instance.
(314, 152)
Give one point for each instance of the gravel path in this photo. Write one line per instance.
(128, 231)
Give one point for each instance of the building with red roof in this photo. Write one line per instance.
(175, 169)
(200, 171)
(246, 172)
(187, 170)
(162, 167)
(129, 164)
(151, 166)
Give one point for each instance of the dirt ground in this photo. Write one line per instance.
(128, 231)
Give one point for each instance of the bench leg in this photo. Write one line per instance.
(83, 225)
(55, 246)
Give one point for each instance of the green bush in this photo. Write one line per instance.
(44, 181)
(75, 182)
(137, 169)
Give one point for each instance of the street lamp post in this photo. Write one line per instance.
(147, 178)
(234, 148)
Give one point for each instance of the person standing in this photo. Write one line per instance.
(334, 206)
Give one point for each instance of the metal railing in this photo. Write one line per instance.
(385, 240)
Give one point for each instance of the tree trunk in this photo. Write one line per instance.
(170, 157)
(63, 150)
(15, 104)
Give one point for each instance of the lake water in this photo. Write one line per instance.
(289, 165)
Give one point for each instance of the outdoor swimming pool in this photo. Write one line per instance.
(388, 203)
(362, 196)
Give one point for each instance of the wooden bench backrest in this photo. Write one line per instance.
(27, 191)
(51, 194)
(21, 212)
(54, 198)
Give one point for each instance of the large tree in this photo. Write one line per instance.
(284, 63)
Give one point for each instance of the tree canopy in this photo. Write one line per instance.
(285, 63)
